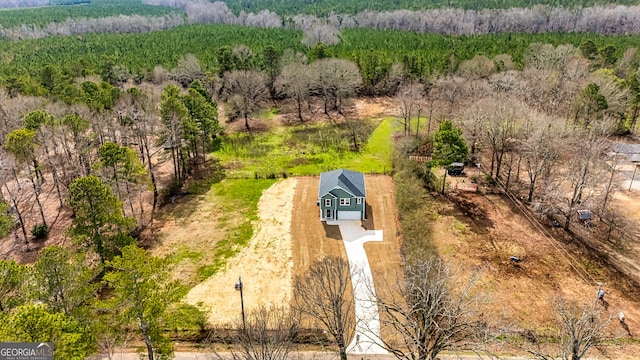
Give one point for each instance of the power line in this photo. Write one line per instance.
(550, 239)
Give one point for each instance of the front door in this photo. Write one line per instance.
(328, 214)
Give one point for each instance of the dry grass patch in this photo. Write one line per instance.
(265, 263)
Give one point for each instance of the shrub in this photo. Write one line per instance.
(171, 192)
(40, 231)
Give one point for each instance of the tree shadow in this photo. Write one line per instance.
(470, 210)
(211, 172)
(181, 201)
(625, 327)
(331, 231)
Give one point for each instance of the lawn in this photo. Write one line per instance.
(307, 150)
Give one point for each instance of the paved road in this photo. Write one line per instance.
(303, 356)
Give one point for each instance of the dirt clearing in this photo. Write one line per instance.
(519, 296)
(265, 264)
(314, 239)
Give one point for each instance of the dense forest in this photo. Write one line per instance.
(95, 9)
(374, 50)
(326, 7)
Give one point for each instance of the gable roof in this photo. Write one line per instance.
(350, 181)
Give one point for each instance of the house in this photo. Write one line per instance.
(342, 195)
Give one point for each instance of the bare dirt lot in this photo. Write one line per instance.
(265, 264)
(479, 233)
(313, 239)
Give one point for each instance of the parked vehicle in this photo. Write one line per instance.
(455, 169)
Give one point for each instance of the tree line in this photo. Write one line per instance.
(44, 14)
(450, 21)
(601, 19)
(136, 55)
(327, 7)
(23, 3)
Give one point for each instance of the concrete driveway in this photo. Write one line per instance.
(367, 317)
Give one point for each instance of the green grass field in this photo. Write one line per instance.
(305, 150)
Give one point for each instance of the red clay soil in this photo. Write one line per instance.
(313, 239)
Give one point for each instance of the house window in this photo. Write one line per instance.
(345, 201)
(359, 201)
(327, 202)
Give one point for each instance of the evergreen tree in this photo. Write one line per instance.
(449, 146)
(143, 295)
(98, 222)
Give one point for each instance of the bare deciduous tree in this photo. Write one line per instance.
(320, 34)
(243, 56)
(476, 68)
(540, 151)
(269, 334)
(296, 82)
(338, 79)
(358, 131)
(581, 329)
(429, 317)
(246, 90)
(323, 293)
(500, 128)
(409, 102)
(473, 127)
(580, 174)
(187, 70)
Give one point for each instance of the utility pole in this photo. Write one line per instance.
(239, 287)
(635, 167)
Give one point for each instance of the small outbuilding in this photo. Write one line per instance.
(342, 195)
(584, 215)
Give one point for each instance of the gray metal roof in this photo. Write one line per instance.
(350, 181)
(627, 148)
(635, 158)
